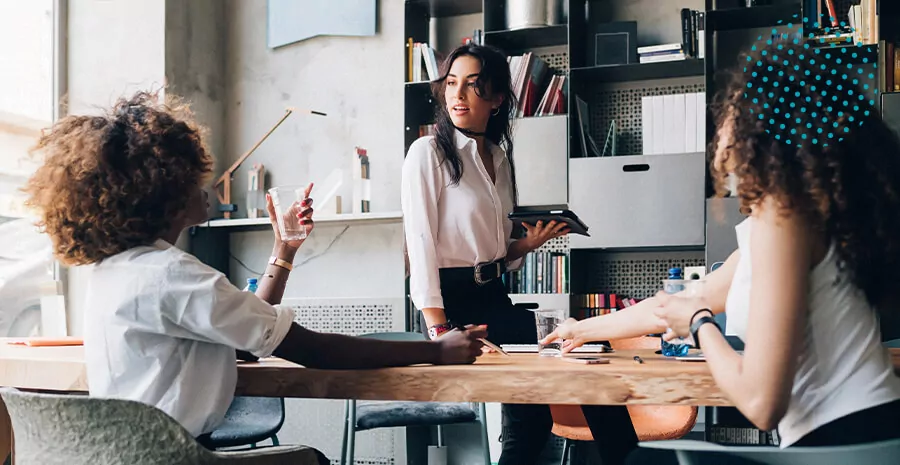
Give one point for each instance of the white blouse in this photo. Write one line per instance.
(447, 225)
(161, 328)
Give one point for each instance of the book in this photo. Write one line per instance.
(663, 58)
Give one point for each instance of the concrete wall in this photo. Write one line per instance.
(114, 49)
(358, 82)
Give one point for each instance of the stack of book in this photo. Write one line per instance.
(417, 54)
(863, 20)
(531, 78)
(693, 32)
(661, 53)
(673, 123)
(590, 305)
(541, 273)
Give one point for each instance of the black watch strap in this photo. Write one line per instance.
(695, 327)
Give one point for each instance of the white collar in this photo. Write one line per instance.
(462, 141)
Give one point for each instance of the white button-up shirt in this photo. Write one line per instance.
(161, 328)
(452, 225)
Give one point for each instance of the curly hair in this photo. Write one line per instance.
(805, 134)
(116, 181)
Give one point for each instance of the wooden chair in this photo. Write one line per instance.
(651, 422)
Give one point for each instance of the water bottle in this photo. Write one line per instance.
(673, 284)
(252, 285)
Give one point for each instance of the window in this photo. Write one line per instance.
(30, 84)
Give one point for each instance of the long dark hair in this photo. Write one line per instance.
(494, 78)
(809, 138)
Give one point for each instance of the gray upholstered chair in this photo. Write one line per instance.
(248, 421)
(705, 453)
(80, 430)
(372, 415)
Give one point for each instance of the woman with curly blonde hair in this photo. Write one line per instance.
(818, 171)
(114, 192)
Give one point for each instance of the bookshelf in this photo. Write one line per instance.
(641, 72)
(634, 253)
(753, 17)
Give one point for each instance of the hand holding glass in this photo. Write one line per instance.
(288, 203)
(547, 321)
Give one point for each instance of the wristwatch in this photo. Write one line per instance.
(695, 326)
(436, 330)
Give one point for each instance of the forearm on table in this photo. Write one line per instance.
(274, 280)
(335, 351)
(634, 321)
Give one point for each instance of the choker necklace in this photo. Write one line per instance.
(469, 132)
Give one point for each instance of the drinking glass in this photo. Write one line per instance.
(287, 201)
(547, 320)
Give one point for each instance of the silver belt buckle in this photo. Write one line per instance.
(480, 267)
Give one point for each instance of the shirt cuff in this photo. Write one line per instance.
(429, 302)
(284, 317)
(515, 264)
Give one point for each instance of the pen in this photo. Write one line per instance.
(638, 359)
(484, 341)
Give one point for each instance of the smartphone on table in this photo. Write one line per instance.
(587, 360)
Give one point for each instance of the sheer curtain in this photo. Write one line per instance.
(32, 77)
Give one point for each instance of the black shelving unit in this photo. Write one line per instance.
(528, 38)
(445, 8)
(641, 71)
(752, 17)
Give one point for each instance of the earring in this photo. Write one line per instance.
(496, 111)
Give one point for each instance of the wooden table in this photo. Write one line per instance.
(520, 378)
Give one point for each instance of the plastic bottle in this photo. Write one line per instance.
(252, 285)
(674, 283)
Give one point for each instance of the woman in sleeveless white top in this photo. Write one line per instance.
(818, 171)
(841, 365)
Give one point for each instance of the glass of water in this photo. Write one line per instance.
(679, 347)
(547, 320)
(287, 201)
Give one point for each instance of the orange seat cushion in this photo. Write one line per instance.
(651, 422)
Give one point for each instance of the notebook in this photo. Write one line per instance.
(533, 349)
(46, 341)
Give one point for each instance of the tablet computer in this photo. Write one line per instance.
(532, 215)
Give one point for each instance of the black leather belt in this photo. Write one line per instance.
(482, 273)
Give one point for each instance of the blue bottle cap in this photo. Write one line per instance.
(675, 273)
(251, 281)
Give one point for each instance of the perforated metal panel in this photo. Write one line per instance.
(556, 57)
(351, 316)
(558, 245)
(319, 423)
(633, 274)
(623, 103)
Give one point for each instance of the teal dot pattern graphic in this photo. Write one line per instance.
(806, 90)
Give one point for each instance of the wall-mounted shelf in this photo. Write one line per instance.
(344, 219)
(641, 71)
(535, 37)
(443, 8)
(867, 52)
(753, 17)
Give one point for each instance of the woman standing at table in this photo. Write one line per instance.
(819, 172)
(458, 188)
